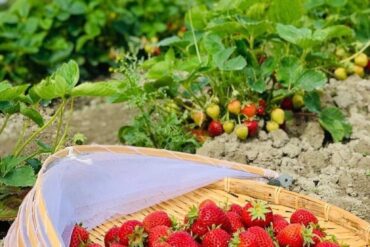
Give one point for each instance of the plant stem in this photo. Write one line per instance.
(194, 37)
(66, 129)
(355, 55)
(60, 123)
(37, 132)
(6, 120)
(21, 135)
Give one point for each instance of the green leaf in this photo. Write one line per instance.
(236, 63)
(44, 147)
(170, 41)
(35, 164)
(286, 11)
(213, 43)
(222, 56)
(106, 88)
(333, 120)
(51, 88)
(311, 80)
(289, 71)
(20, 177)
(32, 114)
(9, 92)
(70, 72)
(268, 67)
(9, 107)
(254, 80)
(298, 36)
(9, 163)
(312, 101)
(337, 31)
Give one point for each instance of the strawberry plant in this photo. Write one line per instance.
(19, 168)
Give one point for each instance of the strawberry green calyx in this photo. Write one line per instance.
(259, 210)
(307, 234)
(137, 237)
(192, 215)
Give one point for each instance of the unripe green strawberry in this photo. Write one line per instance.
(228, 126)
(271, 126)
(340, 74)
(358, 70)
(278, 116)
(241, 131)
(298, 101)
(234, 107)
(198, 117)
(361, 60)
(340, 52)
(213, 111)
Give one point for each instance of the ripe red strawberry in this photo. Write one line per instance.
(252, 127)
(216, 238)
(286, 104)
(181, 239)
(112, 236)
(235, 222)
(295, 235)
(157, 235)
(215, 128)
(327, 244)
(131, 233)
(157, 218)
(262, 103)
(236, 208)
(279, 223)
(207, 202)
(234, 107)
(80, 236)
(318, 236)
(304, 217)
(262, 238)
(117, 245)
(257, 213)
(249, 110)
(244, 239)
(261, 111)
(93, 245)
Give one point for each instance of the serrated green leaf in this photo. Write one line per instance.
(51, 88)
(286, 11)
(20, 177)
(312, 101)
(289, 71)
(298, 36)
(70, 72)
(333, 120)
(255, 82)
(311, 80)
(9, 92)
(32, 114)
(107, 88)
(213, 43)
(9, 163)
(222, 56)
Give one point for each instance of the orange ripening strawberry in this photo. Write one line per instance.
(235, 222)
(157, 235)
(157, 218)
(236, 208)
(215, 128)
(279, 223)
(249, 110)
(244, 239)
(132, 233)
(304, 217)
(295, 235)
(234, 107)
(181, 239)
(257, 213)
(327, 244)
(261, 237)
(216, 238)
(112, 236)
(79, 237)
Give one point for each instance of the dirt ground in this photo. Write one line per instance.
(334, 172)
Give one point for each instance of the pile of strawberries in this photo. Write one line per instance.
(243, 119)
(254, 225)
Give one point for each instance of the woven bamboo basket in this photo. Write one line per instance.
(348, 228)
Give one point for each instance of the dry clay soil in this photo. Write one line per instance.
(334, 172)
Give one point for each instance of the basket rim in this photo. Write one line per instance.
(364, 230)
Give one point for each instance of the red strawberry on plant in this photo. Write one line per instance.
(236, 209)
(235, 222)
(80, 236)
(260, 111)
(215, 128)
(181, 239)
(327, 244)
(249, 110)
(257, 213)
(262, 238)
(279, 223)
(234, 107)
(286, 104)
(157, 235)
(157, 218)
(216, 238)
(304, 217)
(112, 236)
(252, 127)
(262, 103)
(132, 233)
(295, 235)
